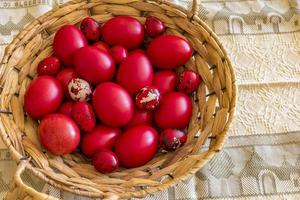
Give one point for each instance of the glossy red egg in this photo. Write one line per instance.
(43, 96)
(102, 46)
(113, 104)
(119, 53)
(137, 146)
(83, 114)
(105, 161)
(64, 77)
(135, 72)
(59, 134)
(91, 29)
(169, 51)
(154, 27)
(93, 65)
(67, 40)
(49, 66)
(123, 30)
(66, 108)
(175, 111)
(172, 139)
(102, 137)
(165, 81)
(140, 117)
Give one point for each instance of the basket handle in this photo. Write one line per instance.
(19, 190)
(194, 10)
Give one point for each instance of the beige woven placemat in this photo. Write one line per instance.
(261, 158)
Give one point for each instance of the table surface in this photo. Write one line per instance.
(261, 157)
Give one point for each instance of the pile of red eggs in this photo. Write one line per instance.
(109, 92)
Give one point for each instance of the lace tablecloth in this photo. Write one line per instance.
(261, 158)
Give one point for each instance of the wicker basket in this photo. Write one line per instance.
(213, 104)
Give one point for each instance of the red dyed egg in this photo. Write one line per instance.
(123, 30)
(93, 65)
(105, 161)
(165, 81)
(102, 137)
(66, 108)
(42, 97)
(67, 40)
(83, 114)
(169, 51)
(135, 72)
(137, 146)
(188, 81)
(91, 29)
(49, 66)
(59, 134)
(112, 103)
(175, 111)
(148, 98)
(172, 139)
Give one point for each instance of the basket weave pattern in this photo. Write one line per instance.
(213, 103)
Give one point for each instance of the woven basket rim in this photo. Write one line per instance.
(143, 192)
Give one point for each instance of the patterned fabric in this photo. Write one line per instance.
(261, 158)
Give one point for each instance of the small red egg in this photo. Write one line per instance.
(101, 137)
(188, 81)
(83, 114)
(64, 77)
(119, 53)
(137, 146)
(91, 29)
(102, 46)
(105, 161)
(59, 134)
(49, 66)
(148, 98)
(79, 90)
(154, 27)
(165, 81)
(172, 139)
(66, 108)
(140, 117)
(42, 97)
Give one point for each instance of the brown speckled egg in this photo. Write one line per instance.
(79, 90)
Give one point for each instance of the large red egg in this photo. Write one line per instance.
(123, 30)
(102, 137)
(175, 111)
(169, 51)
(135, 72)
(42, 97)
(93, 65)
(83, 114)
(113, 104)
(59, 134)
(165, 81)
(137, 146)
(67, 40)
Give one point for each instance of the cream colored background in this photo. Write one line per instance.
(261, 158)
